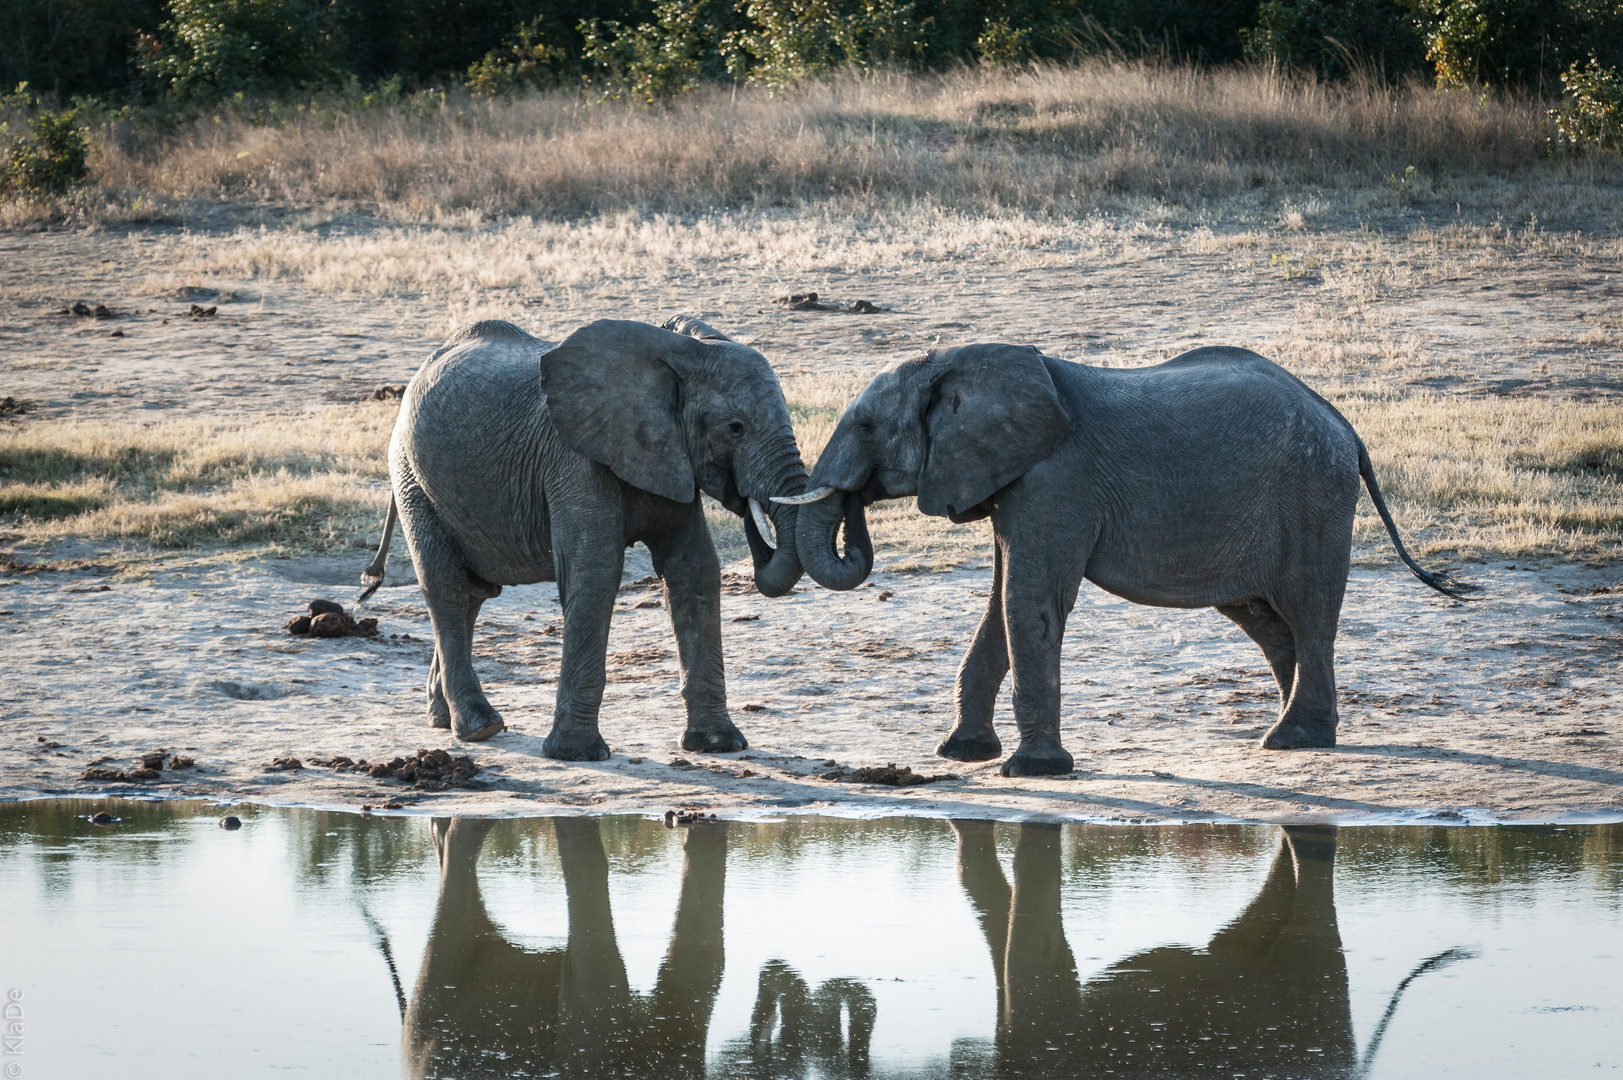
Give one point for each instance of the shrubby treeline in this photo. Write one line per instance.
(204, 49)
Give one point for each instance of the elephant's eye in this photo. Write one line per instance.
(865, 426)
(735, 428)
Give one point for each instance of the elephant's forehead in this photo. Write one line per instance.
(882, 391)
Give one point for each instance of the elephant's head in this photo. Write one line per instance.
(675, 413)
(952, 427)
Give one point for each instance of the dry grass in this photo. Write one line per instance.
(308, 480)
(1069, 140)
(1479, 477)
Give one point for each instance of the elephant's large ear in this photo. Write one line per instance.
(993, 414)
(612, 392)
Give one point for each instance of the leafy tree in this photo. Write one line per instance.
(1516, 42)
(1331, 36)
(68, 47)
(680, 47)
(794, 39)
(228, 46)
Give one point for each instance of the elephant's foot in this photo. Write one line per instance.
(439, 713)
(982, 745)
(476, 722)
(715, 740)
(477, 725)
(575, 744)
(1288, 735)
(1047, 760)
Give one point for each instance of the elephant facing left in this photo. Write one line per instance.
(516, 461)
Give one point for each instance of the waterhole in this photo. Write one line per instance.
(162, 945)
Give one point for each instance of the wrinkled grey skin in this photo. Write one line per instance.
(515, 461)
(1216, 479)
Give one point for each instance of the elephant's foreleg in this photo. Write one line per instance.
(1036, 601)
(980, 677)
(588, 580)
(1273, 635)
(685, 559)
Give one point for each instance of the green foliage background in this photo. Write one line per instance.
(200, 50)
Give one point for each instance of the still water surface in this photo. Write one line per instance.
(326, 944)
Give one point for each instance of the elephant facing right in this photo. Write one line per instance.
(1216, 479)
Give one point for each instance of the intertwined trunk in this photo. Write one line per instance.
(818, 532)
(776, 571)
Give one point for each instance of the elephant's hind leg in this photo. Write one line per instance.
(1309, 720)
(1300, 646)
(439, 709)
(980, 676)
(1273, 635)
(453, 595)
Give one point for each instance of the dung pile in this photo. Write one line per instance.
(100, 311)
(151, 768)
(810, 301)
(890, 775)
(427, 770)
(327, 619)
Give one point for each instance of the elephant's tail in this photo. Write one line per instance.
(1440, 580)
(372, 576)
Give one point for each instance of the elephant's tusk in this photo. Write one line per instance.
(815, 495)
(763, 524)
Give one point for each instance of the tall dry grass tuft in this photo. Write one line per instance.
(1052, 139)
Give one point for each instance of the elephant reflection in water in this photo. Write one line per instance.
(794, 1031)
(485, 1007)
(1266, 997)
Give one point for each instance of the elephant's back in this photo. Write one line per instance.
(1243, 403)
(479, 364)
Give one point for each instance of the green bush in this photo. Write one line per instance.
(654, 61)
(220, 47)
(1591, 116)
(50, 159)
(1001, 43)
(524, 59)
(795, 39)
(1516, 42)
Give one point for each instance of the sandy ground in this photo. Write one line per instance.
(1506, 709)
(1501, 710)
